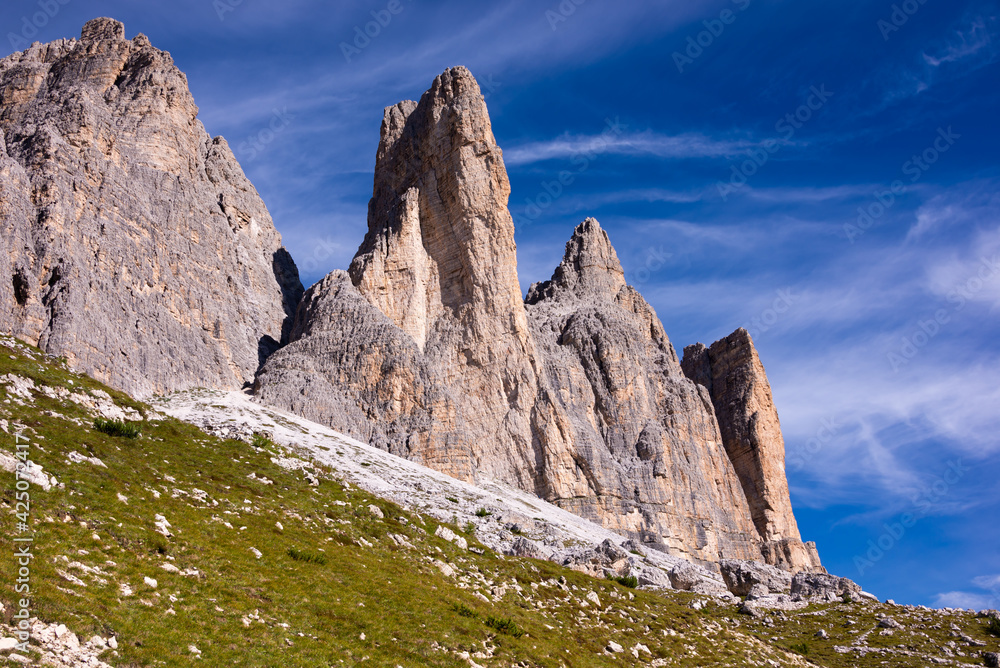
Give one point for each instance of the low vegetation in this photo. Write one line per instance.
(254, 566)
(118, 428)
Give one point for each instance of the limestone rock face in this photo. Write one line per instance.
(732, 373)
(426, 348)
(643, 434)
(448, 368)
(131, 242)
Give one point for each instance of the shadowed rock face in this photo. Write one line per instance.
(732, 373)
(130, 240)
(425, 348)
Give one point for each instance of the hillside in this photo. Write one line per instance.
(179, 546)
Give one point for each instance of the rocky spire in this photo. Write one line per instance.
(429, 351)
(439, 262)
(131, 241)
(733, 374)
(590, 266)
(439, 255)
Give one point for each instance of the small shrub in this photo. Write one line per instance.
(308, 557)
(516, 530)
(801, 648)
(465, 611)
(504, 625)
(482, 512)
(118, 428)
(993, 628)
(629, 581)
(261, 442)
(451, 499)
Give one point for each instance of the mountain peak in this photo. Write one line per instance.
(590, 266)
(101, 29)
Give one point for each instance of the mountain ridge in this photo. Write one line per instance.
(137, 249)
(574, 391)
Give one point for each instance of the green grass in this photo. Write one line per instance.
(802, 648)
(118, 428)
(482, 512)
(317, 587)
(307, 557)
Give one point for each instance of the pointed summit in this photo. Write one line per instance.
(131, 242)
(102, 28)
(439, 253)
(590, 266)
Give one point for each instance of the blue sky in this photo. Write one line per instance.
(729, 148)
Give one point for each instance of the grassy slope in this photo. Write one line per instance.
(378, 605)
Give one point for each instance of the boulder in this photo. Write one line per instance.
(742, 576)
(823, 585)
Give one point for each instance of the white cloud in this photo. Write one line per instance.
(963, 599)
(988, 582)
(972, 45)
(680, 146)
(977, 35)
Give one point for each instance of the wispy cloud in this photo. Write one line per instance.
(973, 44)
(964, 599)
(679, 146)
(976, 39)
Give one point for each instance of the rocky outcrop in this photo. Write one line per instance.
(644, 435)
(742, 576)
(425, 351)
(732, 373)
(131, 242)
(425, 348)
(825, 586)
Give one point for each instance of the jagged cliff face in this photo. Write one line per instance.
(439, 261)
(132, 243)
(734, 376)
(425, 348)
(644, 435)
